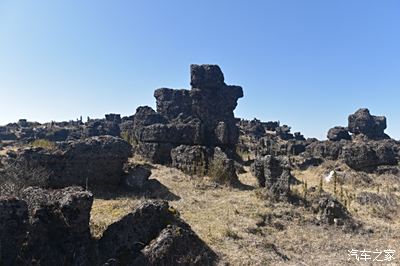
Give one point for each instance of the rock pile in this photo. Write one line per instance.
(189, 124)
(61, 131)
(51, 227)
(270, 138)
(367, 148)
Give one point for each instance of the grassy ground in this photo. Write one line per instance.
(246, 229)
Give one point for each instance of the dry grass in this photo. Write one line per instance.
(43, 143)
(245, 229)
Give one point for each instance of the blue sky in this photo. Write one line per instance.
(306, 63)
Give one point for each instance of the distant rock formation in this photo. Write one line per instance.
(366, 149)
(362, 122)
(338, 133)
(269, 138)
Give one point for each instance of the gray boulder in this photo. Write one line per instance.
(137, 177)
(338, 133)
(362, 122)
(176, 246)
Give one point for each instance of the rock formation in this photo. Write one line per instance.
(13, 227)
(269, 138)
(274, 174)
(51, 227)
(366, 149)
(93, 161)
(137, 177)
(362, 122)
(200, 119)
(338, 133)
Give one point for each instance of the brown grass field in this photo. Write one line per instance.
(244, 228)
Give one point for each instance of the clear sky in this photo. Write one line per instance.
(306, 63)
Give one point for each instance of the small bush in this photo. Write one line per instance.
(218, 173)
(44, 143)
(129, 137)
(16, 176)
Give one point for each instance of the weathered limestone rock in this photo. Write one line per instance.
(200, 161)
(222, 169)
(192, 160)
(137, 177)
(51, 227)
(96, 160)
(330, 150)
(368, 155)
(155, 152)
(13, 228)
(331, 212)
(200, 116)
(362, 122)
(176, 246)
(338, 133)
(274, 174)
(116, 118)
(100, 127)
(153, 234)
(59, 227)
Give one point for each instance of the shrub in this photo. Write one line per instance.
(218, 173)
(16, 176)
(44, 143)
(129, 137)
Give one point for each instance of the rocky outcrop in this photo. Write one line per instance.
(366, 149)
(200, 116)
(149, 236)
(176, 246)
(269, 138)
(93, 161)
(137, 177)
(192, 160)
(338, 133)
(200, 161)
(362, 122)
(51, 227)
(330, 150)
(222, 169)
(59, 230)
(329, 211)
(7, 134)
(133, 232)
(100, 127)
(274, 174)
(368, 155)
(191, 128)
(13, 227)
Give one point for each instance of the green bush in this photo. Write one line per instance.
(129, 137)
(44, 143)
(217, 172)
